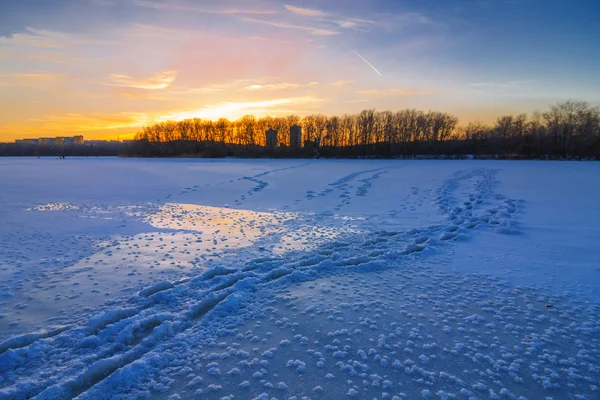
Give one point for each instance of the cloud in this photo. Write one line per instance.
(325, 19)
(32, 79)
(42, 57)
(52, 40)
(510, 84)
(414, 17)
(359, 101)
(279, 86)
(324, 32)
(305, 11)
(69, 39)
(213, 88)
(25, 39)
(276, 86)
(160, 30)
(396, 92)
(39, 57)
(159, 80)
(347, 24)
(285, 25)
(342, 83)
(27, 75)
(188, 7)
(143, 95)
(340, 21)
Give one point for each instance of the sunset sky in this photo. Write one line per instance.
(105, 68)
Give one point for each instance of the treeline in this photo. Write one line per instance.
(566, 130)
(368, 127)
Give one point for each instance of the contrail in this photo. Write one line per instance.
(370, 65)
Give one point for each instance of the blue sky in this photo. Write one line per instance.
(108, 67)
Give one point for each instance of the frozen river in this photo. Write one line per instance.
(299, 279)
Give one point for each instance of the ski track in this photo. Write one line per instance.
(69, 362)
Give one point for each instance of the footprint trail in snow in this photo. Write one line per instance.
(360, 314)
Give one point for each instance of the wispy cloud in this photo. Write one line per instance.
(279, 86)
(213, 88)
(359, 101)
(38, 57)
(48, 58)
(342, 83)
(412, 17)
(339, 20)
(141, 95)
(276, 86)
(267, 39)
(396, 92)
(25, 39)
(189, 7)
(52, 40)
(285, 25)
(324, 32)
(32, 79)
(305, 11)
(159, 80)
(27, 75)
(68, 38)
(510, 84)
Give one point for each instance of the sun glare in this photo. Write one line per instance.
(236, 110)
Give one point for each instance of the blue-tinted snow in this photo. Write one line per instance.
(299, 279)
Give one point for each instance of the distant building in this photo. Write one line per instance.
(48, 141)
(296, 136)
(271, 138)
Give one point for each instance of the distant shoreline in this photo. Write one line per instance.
(371, 158)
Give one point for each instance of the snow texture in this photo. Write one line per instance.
(288, 279)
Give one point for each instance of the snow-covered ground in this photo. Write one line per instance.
(292, 279)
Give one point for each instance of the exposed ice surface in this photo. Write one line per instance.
(296, 279)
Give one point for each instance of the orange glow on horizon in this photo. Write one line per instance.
(124, 126)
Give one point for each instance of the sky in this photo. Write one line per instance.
(106, 68)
